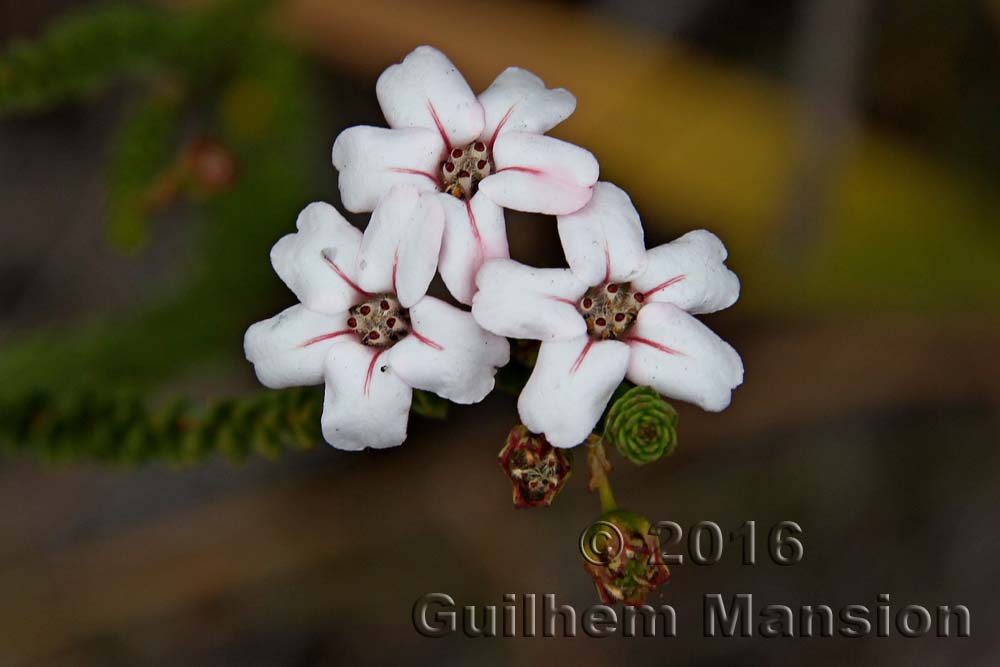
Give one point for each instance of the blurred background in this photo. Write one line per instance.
(846, 151)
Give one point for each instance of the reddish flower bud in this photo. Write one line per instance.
(537, 469)
(623, 558)
(211, 165)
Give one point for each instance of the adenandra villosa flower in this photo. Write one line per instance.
(365, 324)
(479, 154)
(619, 311)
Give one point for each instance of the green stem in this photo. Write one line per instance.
(607, 498)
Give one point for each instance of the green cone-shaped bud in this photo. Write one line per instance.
(642, 426)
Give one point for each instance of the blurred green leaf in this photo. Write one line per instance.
(512, 378)
(83, 53)
(430, 405)
(145, 143)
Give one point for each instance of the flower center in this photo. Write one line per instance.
(464, 167)
(380, 322)
(539, 472)
(610, 310)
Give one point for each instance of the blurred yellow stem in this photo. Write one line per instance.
(696, 142)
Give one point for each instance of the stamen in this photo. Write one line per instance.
(380, 322)
(464, 168)
(611, 304)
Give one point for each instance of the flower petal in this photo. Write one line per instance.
(524, 302)
(373, 159)
(603, 241)
(474, 232)
(399, 252)
(317, 262)
(570, 387)
(288, 349)
(426, 90)
(365, 406)
(680, 357)
(540, 174)
(448, 353)
(690, 273)
(518, 101)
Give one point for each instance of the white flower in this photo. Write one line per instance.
(365, 324)
(618, 312)
(479, 154)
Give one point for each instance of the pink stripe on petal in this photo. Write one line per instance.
(664, 285)
(475, 232)
(524, 170)
(395, 269)
(343, 276)
(653, 344)
(503, 121)
(547, 174)
(427, 341)
(440, 127)
(323, 337)
(414, 172)
(583, 354)
(371, 371)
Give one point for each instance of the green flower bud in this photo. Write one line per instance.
(642, 426)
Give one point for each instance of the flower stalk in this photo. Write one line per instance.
(599, 466)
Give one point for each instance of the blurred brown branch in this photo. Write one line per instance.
(800, 376)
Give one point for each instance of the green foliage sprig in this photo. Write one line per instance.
(74, 394)
(228, 286)
(121, 429)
